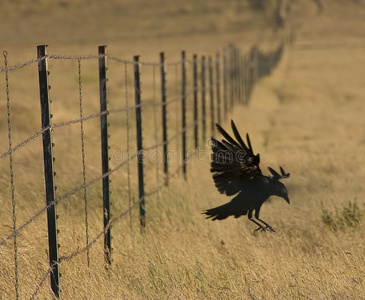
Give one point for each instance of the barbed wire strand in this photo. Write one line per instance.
(34, 61)
(85, 57)
(19, 66)
(83, 162)
(141, 63)
(5, 53)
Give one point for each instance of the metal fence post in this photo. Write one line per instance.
(218, 87)
(104, 153)
(164, 118)
(245, 78)
(240, 79)
(236, 68)
(240, 61)
(48, 169)
(137, 89)
(250, 71)
(225, 75)
(195, 95)
(231, 75)
(183, 108)
(211, 96)
(255, 64)
(204, 121)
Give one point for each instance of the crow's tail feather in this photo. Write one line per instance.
(224, 211)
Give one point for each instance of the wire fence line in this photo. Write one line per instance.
(82, 119)
(94, 180)
(216, 82)
(81, 57)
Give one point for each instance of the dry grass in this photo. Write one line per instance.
(307, 117)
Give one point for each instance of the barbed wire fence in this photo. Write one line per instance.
(170, 120)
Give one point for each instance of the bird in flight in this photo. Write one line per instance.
(236, 171)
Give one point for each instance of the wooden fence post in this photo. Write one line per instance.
(48, 169)
(104, 153)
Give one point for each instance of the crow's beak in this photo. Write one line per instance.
(286, 198)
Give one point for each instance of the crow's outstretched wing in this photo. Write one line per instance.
(233, 163)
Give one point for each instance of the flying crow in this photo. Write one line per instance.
(236, 171)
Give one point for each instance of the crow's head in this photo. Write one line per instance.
(280, 190)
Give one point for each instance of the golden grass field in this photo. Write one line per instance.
(307, 117)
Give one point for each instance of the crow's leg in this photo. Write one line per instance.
(257, 223)
(257, 216)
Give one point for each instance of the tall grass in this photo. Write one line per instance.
(307, 117)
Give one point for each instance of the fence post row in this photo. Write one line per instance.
(240, 73)
(104, 153)
(48, 169)
(164, 118)
(137, 89)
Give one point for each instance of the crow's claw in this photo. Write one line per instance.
(268, 227)
(260, 228)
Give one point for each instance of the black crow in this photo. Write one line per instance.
(236, 171)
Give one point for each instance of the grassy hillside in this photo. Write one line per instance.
(307, 117)
(128, 27)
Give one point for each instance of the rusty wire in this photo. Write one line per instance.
(83, 161)
(11, 165)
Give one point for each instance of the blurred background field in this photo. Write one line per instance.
(307, 116)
